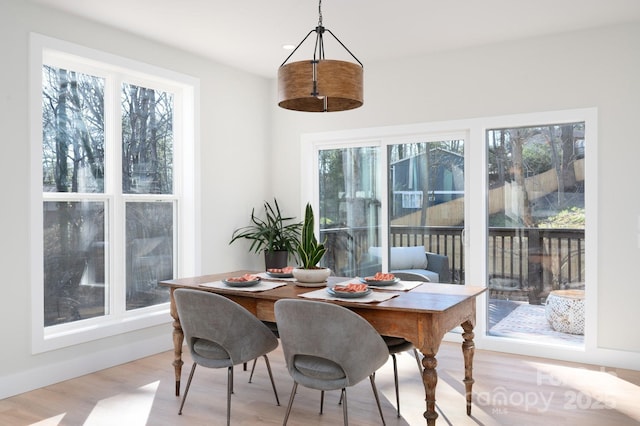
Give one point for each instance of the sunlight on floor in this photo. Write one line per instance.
(594, 389)
(132, 408)
(51, 421)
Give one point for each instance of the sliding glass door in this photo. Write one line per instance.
(422, 205)
(504, 200)
(536, 232)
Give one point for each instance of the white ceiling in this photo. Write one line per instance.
(249, 34)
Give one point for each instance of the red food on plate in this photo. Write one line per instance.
(244, 278)
(351, 288)
(381, 276)
(285, 270)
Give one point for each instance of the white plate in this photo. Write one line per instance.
(241, 283)
(380, 282)
(348, 294)
(280, 274)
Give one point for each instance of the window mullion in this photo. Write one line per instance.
(113, 127)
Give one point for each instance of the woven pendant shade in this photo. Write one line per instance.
(337, 86)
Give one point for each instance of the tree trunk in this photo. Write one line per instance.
(568, 172)
(518, 174)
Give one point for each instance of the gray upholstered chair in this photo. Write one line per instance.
(221, 333)
(328, 347)
(398, 345)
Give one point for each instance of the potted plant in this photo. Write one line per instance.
(273, 235)
(310, 252)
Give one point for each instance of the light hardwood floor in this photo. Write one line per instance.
(509, 390)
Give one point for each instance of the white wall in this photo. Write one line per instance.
(234, 125)
(597, 68)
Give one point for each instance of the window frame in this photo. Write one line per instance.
(185, 88)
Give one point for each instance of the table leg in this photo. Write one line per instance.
(468, 350)
(178, 340)
(430, 379)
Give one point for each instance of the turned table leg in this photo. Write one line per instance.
(430, 379)
(178, 340)
(468, 350)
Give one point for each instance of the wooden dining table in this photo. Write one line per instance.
(422, 316)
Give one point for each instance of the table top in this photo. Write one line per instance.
(428, 297)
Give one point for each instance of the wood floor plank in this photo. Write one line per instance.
(509, 390)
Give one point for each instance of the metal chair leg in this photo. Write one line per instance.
(229, 391)
(321, 401)
(343, 397)
(253, 367)
(231, 378)
(415, 353)
(186, 390)
(375, 393)
(293, 395)
(273, 384)
(395, 379)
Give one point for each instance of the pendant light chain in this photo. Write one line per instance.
(318, 52)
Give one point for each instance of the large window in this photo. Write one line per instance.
(112, 191)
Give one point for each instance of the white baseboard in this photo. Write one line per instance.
(49, 374)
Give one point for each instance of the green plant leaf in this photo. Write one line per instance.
(310, 252)
(273, 233)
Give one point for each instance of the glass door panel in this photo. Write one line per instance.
(349, 213)
(426, 209)
(536, 224)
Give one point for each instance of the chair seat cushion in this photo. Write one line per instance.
(318, 368)
(210, 350)
(397, 344)
(273, 327)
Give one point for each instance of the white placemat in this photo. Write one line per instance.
(261, 286)
(373, 297)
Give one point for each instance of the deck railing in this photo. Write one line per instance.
(532, 259)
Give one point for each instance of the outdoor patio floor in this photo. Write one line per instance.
(520, 320)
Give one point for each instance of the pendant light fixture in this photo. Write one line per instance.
(319, 84)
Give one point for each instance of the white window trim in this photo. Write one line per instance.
(186, 189)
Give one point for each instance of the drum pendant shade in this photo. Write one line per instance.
(319, 84)
(339, 86)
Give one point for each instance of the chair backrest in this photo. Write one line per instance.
(209, 316)
(411, 276)
(439, 263)
(331, 332)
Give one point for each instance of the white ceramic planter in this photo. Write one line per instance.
(312, 276)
